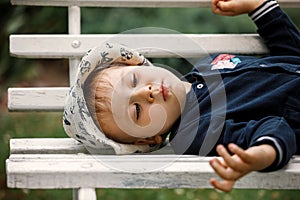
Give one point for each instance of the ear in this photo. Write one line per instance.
(151, 140)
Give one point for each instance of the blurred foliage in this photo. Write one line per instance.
(17, 71)
(23, 20)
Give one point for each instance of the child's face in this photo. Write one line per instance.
(145, 102)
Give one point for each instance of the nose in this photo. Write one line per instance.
(144, 94)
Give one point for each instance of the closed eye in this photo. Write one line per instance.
(137, 111)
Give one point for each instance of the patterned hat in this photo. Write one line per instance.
(77, 119)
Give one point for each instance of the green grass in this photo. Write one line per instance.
(21, 125)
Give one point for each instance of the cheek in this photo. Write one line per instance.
(173, 111)
(155, 120)
(157, 114)
(179, 96)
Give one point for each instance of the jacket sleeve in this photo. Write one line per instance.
(279, 33)
(276, 132)
(271, 130)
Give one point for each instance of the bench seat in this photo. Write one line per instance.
(64, 163)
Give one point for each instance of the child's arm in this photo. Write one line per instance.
(281, 36)
(242, 162)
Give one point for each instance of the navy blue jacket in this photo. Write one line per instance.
(246, 100)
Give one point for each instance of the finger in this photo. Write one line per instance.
(231, 162)
(214, 3)
(225, 8)
(220, 161)
(222, 151)
(223, 185)
(225, 5)
(222, 171)
(215, 7)
(235, 149)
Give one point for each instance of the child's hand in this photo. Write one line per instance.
(235, 166)
(234, 7)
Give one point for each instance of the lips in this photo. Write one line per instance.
(164, 91)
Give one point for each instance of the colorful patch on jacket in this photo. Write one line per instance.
(223, 61)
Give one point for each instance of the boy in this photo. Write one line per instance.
(245, 109)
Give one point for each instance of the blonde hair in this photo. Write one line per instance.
(97, 91)
(103, 90)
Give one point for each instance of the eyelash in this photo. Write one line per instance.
(137, 110)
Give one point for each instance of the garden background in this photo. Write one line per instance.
(17, 72)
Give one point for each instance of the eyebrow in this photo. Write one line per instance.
(122, 77)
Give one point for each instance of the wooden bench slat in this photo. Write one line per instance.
(151, 45)
(70, 146)
(132, 3)
(86, 171)
(130, 171)
(60, 146)
(37, 99)
(46, 146)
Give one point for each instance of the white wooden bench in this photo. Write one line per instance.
(63, 163)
